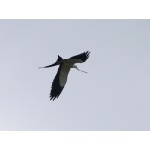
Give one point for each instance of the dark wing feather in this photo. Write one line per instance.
(83, 56)
(56, 89)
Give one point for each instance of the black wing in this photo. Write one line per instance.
(83, 56)
(56, 88)
(59, 81)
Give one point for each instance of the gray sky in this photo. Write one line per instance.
(114, 95)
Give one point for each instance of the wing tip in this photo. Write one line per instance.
(52, 98)
(87, 54)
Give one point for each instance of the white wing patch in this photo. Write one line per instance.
(64, 74)
(68, 63)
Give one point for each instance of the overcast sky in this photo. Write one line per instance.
(114, 95)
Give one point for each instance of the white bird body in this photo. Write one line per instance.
(64, 67)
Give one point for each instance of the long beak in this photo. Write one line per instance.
(49, 66)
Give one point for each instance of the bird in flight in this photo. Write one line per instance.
(64, 67)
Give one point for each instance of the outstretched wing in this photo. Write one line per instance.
(81, 57)
(59, 81)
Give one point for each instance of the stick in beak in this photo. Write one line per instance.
(81, 70)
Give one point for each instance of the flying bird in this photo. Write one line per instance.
(64, 67)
